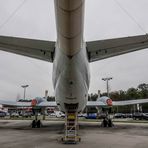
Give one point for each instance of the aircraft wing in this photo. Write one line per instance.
(116, 103)
(95, 103)
(129, 102)
(14, 103)
(47, 104)
(102, 49)
(8, 103)
(39, 49)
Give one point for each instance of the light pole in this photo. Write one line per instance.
(24, 86)
(107, 85)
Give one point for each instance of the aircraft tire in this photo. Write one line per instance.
(105, 123)
(38, 124)
(33, 124)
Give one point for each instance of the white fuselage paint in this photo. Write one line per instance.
(71, 74)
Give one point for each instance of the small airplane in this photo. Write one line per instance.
(71, 56)
(102, 103)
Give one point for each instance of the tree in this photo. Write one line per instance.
(115, 95)
(122, 95)
(143, 90)
(143, 86)
(103, 94)
(92, 97)
(132, 93)
(50, 98)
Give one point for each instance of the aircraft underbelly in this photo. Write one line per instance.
(70, 68)
(71, 79)
(71, 91)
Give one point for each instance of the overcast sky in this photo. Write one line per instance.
(103, 19)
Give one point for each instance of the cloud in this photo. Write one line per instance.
(103, 19)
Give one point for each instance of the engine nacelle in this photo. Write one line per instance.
(106, 100)
(36, 101)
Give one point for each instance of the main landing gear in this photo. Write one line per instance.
(36, 123)
(107, 122)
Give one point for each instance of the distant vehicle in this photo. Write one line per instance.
(39, 114)
(137, 115)
(14, 114)
(119, 115)
(91, 116)
(59, 114)
(27, 114)
(84, 114)
(2, 114)
(81, 115)
(128, 115)
(52, 115)
(101, 116)
(140, 116)
(145, 116)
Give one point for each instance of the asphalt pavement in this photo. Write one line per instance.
(19, 134)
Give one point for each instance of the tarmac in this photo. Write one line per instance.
(19, 134)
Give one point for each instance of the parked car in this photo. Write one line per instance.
(129, 115)
(101, 116)
(2, 114)
(59, 114)
(81, 115)
(120, 115)
(27, 114)
(14, 114)
(145, 116)
(140, 116)
(7, 114)
(52, 115)
(137, 115)
(91, 116)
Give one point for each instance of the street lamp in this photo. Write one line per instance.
(24, 86)
(107, 85)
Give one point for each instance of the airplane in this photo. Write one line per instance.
(103, 104)
(71, 56)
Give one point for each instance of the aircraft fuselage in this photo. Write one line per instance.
(71, 74)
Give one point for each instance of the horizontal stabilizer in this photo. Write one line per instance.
(102, 49)
(39, 49)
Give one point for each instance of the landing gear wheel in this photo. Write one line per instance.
(110, 123)
(105, 123)
(33, 124)
(38, 124)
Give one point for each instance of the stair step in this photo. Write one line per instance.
(71, 126)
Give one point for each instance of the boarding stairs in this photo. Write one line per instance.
(71, 128)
